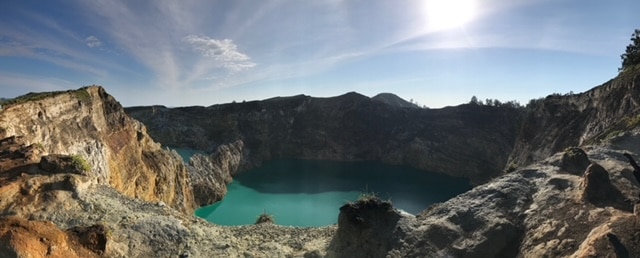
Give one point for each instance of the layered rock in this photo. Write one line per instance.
(595, 116)
(551, 208)
(61, 213)
(469, 141)
(90, 124)
(211, 174)
(538, 211)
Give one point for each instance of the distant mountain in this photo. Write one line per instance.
(393, 100)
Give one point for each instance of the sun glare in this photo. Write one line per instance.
(449, 14)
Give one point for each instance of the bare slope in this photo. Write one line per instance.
(91, 124)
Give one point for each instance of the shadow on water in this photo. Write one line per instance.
(309, 193)
(388, 181)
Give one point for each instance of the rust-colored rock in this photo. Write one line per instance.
(23, 238)
(597, 189)
(92, 125)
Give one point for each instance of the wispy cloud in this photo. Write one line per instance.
(164, 41)
(224, 52)
(93, 41)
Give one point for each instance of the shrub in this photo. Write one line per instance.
(80, 162)
(631, 57)
(265, 218)
(39, 146)
(512, 167)
(82, 95)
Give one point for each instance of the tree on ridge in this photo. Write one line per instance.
(631, 57)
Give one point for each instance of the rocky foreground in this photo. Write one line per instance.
(79, 178)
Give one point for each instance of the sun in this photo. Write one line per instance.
(448, 14)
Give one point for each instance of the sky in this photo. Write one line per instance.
(202, 52)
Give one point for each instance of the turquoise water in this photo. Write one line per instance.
(186, 153)
(309, 193)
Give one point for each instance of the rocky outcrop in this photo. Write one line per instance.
(211, 174)
(60, 213)
(369, 227)
(595, 116)
(598, 190)
(91, 126)
(537, 211)
(126, 204)
(23, 238)
(574, 161)
(469, 141)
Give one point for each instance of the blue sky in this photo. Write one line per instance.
(201, 52)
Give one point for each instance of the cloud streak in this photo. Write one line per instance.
(224, 52)
(93, 41)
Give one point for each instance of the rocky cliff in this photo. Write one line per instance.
(469, 141)
(473, 141)
(92, 125)
(58, 198)
(51, 206)
(560, 121)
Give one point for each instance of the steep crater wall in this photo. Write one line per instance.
(470, 141)
(560, 121)
(91, 124)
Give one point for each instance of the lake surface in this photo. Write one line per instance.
(186, 153)
(309, 193)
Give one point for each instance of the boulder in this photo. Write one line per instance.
(574, 161)
(596, 188)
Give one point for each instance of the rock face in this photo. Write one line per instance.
(557, 122)
(574, 161)
(467, 141)
(211, 174)
(368, 227)
(23, 238)
(536, 211)
(91, 124)
(131, 202)
(598, 190)
(60, 213)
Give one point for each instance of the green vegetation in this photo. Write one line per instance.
(368, 197)
(624, 125)
(573, 151)
(31, 96)
(39, 146)
(512, 167)
(265, 218)
(495, 103)
(80, 162)
(631, 57)
(82, 94)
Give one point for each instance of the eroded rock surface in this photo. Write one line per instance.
(91, 124)
(346, 128)
(60, 213)
(23, 238)
(134, 201)
(210, 174)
